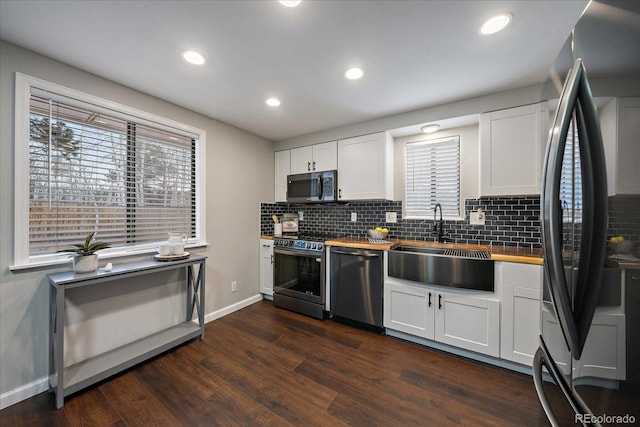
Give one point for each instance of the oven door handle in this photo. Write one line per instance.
(298, 252)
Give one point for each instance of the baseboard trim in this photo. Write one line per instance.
(231, 308)
(36, 387)
(23, 392)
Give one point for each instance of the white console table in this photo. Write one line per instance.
(67, 380)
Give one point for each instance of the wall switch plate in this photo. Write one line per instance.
(234, 286)
(391, 217)
(300, 215)
(354, 216)
(476, 218)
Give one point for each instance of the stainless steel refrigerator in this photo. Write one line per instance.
(574, 216)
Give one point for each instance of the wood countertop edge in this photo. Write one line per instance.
(506, 253)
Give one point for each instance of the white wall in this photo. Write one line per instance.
(237, 164)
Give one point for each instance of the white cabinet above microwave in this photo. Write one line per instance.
(314, 158)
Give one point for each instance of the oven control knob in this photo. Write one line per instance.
(313, 246)
(319, 246)
(308, 245)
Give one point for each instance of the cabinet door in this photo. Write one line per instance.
(266, 266)
(282, 169)
(468, 322)
(521, 286)
(301, 159)
(604, 354)
(409, 309)
(520, 330)
(511, 151)
(325, 156)
(628, 170)
(365, 167)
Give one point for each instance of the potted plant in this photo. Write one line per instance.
(86, 260)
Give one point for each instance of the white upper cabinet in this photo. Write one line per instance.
(512, 146)
(620, 125)
(282, 169)
(365, 167)
(314, 158)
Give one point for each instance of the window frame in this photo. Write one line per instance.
(26, 85)
(435, 139)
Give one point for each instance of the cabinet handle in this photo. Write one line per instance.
(429, 299)
(271, 258)
(339, 193)
(314, 165)
(439, 301)
(309, 166)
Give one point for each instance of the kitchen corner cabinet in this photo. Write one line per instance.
(521, 286)
(620, 125)
(365, 167)
(282, 169)
(314, 158)
(266, 266)
(466, 321)
(512, 146)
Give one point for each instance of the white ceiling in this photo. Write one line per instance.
(415, 54)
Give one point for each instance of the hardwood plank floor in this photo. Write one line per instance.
(267, 366)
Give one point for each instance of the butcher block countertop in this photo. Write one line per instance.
(498, 253)
(510, 254)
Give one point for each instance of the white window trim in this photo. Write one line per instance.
(24, 85)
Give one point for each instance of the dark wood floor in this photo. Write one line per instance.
(267, 366)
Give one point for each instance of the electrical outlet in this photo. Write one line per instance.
(476, 218)
(391, 217)
(300, 216)
(354, 216)
(234, 286)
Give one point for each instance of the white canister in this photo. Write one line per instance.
(164, 249)
(277, 230)
(177, 249)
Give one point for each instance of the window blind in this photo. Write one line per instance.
(89, 172)
(432, 176)
(571, 178)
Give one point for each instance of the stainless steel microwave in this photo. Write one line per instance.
(314, 187)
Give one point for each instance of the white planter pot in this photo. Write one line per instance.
(85, 263)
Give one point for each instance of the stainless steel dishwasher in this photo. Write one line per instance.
(356, 286)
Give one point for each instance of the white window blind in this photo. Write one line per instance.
(571, 179)
(129, 182)
(432, 176)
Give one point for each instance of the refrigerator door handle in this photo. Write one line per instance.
(542, 359)
(575, 320)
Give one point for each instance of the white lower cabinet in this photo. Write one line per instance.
(266, 266)
(521, 286)
(469, 322)
(604, 353)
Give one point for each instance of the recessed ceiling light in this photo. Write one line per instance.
(430, 128)
(497, 23)
(273, 102)
(290, 3)
(193, 57)
(354, 73)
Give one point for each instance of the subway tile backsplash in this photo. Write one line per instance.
(509, 221)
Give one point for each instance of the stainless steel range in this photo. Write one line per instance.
(299, 275)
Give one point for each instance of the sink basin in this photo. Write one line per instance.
(443, 266)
